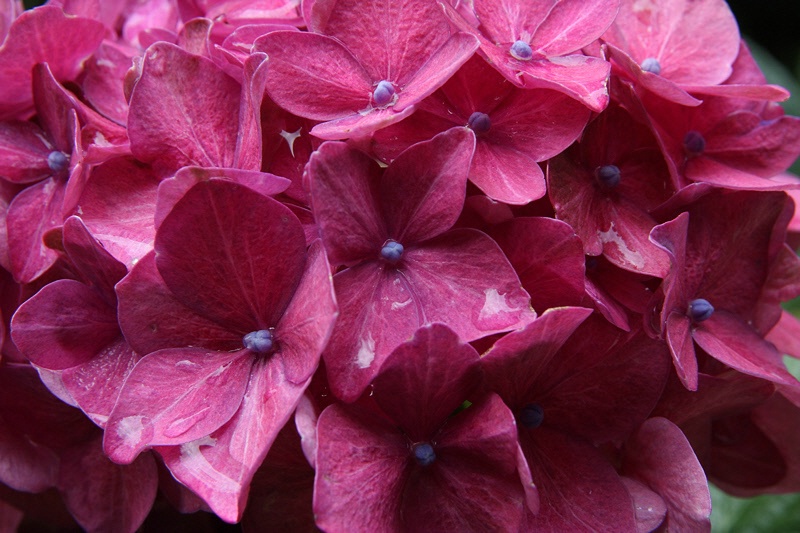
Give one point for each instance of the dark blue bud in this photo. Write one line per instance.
(531, 416)
(651, 64)
(57, 160)
(258, 341)
(392, 251)
(423, 453)
(607, 175)
(479, 122)
(694, 143)
(383, 93)
(521, 50)
(700, 309)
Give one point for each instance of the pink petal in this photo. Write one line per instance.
(102, 495)
(231, 254)
(422, 191)
(335, 85)
(220, 466)
(426, 379)
(681, 346)
(660, 456)
(64, 325)
(23, 152)
(175, 396)
(344, 185)
(183, 111)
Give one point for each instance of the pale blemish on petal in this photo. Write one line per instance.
(130, 430)
(494, 303)
(366, 352)
(185, 364)
(194, 461)
(400, 305)
(290, 138)
(612, 237)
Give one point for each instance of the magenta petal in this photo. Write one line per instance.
(578, 486)
(103, 496)
(117, 206)
(183, 111)
(426, 379)
(361, 471)
(29, 467)
(507, 175)
(248, 143)
(437, 69)
(344, 195)
(476, 486)
(448, 281)
(23, 152)
(360, 125)
(306, 325)
(730, 340)
(232, 255)
(151, 318)
(422, 191)
(650, 507)
(31, 214)
(659, 455)
(96, 266)
(42, 35)
(220, 466)
(175, 396)
(681, 345)
(335, 85)
(64, 325)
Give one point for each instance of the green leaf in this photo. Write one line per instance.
(762, 514)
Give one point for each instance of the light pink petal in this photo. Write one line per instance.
(650, 507)
(344, 186)
(335, 85)
(95, 385)
(174, 396)
(104, 496)
(506, 174)
(183, 111)
(232, 255)
(659, 456)
(422, 191)
(360, 125)
(695, 42)
(571, 25)
(64, 325)
(219, 467)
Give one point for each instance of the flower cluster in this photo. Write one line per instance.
(419, 265)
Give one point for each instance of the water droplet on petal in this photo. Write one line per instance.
(479, 122)
(392, 251)
(651, 64)
(607, 175)
(383, 93)
(694, 143)
(700, 310)
(57, 160)
(521, 50)
(531, 416)
(259, 341)
(423, 453)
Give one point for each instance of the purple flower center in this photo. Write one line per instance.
(607, 175)
(694, 143)
(392, 251)
(383, 93)
(700, 310)
(423, 453)
(479, 122)
(521, 50)
(57, 160)
(531, 416)
(259, 341)
(651, 64)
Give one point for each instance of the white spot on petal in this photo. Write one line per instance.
(400, 305)
(290, 138)
(130, 430)
(366, 352)
(612, 237)
(494, 304)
